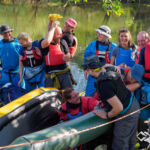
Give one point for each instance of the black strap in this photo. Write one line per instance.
(147, 71)
(107, 43)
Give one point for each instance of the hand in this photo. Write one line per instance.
(85, 75)
(100, 113)
(117, 68)
(38, 52)
(20, 83)
(67, 57)
(52, 24)
(123, 65)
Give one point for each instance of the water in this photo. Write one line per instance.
(33, 20)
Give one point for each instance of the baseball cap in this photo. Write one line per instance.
(93, 62)
(71, 22)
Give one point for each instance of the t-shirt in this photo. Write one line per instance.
(110, 88)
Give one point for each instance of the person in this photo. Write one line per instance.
(143, 100)
(102, 48)
(9, 50)
(56, 54)
(118, 102)
(132, 77)
(31, 66)
(125, 53)
(75, 106)
(69, 36)
(142, 40)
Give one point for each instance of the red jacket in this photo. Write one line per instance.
(87, 105)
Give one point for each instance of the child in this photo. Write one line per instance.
(30, 63)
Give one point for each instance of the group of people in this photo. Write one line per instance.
(115, 76)
(31, 64)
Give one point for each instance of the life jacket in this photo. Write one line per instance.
(138, 55)
(31, 58)
(103, 54)
(65, 109)
(54, 56)
(111, 74)
(124, 56)
(74, 48)
(147, 61)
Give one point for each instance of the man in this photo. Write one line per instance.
(145, 113)
(9, 55)
(142, 39)
(56, 54)
(132, 77)
(69, 36)
(102, 48)
(118, 101)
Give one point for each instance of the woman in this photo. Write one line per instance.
(124, 53)
(118, 101)
(74, 106)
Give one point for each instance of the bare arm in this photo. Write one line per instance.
(49, 37)
(112, 61)
(20, 70)
(132, 87)
(117, 107)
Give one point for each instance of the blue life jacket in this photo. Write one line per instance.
(124, 56)
(9, 55)
(143, 94)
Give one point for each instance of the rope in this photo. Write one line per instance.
(74, 133)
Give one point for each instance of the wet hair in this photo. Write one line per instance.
(66, 94)
(125, 30)
(23, 36)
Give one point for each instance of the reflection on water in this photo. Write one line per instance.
(78, 75)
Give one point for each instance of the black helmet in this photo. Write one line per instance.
(93, 62)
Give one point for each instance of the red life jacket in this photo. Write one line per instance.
(138, 55)
(74, 48)
(55, 56)
(87, 104)
(31, 58)
(147, 61)
(105, 53)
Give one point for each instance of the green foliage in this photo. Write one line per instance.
(113, 6)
